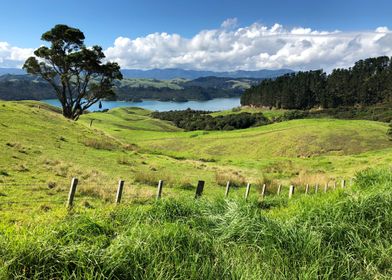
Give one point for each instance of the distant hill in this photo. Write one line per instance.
(172, 73)
(12, 71)
(22, 87)
(204, 88)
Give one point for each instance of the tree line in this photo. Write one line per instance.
(202, 120)
(368, 82)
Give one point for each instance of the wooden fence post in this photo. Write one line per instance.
(326, 187)
(91, 122)
(119, 191)
(227, 189)
(263, 189)
(334, 185)
(291, 191)
(307, 189)
(343, 184)
(199, 189)
(159, 190)
(316, 188)
(72, 191)
(279, 189)
(247, 191)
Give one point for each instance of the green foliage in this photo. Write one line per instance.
(202, 120)
(367, 82)
(292, 115)
(75, 72)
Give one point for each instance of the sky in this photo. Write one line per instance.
(222, 35)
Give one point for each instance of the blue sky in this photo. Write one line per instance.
(103, 22)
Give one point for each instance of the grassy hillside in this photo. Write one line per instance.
(341, 234)
(334, 147)
(170, 84)
(128, 142)
(344, 234)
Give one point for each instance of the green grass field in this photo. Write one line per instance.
(343, 234)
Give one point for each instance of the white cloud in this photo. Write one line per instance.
(382, 29)
(230, 23)
(230, 47)
(11, 56)
(252, 47)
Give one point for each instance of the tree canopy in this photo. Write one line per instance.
(368, 82)
(76, 73)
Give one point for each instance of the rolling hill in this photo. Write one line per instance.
(26, 87)
(344, 232)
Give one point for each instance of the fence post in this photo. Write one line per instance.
(279, 189)
(334, 185)
(316, 188)
(326, 187)
(159, 190)
(72, 191)
(91, 122)
(199, 189)
(263, 189)
(119, 191)
(307, 189)
(343, 184)
(227, 189)
(291, 191)
(247, 191)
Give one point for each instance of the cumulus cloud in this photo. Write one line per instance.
(11, 56)
(231, 47)
(230, 23)
(252, 47)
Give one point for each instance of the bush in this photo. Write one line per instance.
(202, 120)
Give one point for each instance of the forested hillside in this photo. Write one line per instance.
(368, 82)
(27, 87)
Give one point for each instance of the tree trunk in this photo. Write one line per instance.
(67, 112)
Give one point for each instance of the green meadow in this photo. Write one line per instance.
(341, 234)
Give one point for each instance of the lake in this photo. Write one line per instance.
(217, 104)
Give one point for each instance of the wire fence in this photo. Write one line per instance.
(61, 197)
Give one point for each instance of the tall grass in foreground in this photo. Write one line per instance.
(341, 235)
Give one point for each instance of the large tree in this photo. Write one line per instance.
(76, 73)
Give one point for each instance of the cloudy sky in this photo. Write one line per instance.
(222, 36)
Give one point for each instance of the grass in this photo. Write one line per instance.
(307, 238)
(318, 147)
(172, 84)
(273, 113)
(127, 143)
(343, 234)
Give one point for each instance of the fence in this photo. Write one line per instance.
(200, 188)
(198, 192)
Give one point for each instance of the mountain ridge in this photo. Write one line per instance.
(173, 73)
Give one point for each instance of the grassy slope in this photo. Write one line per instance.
(339, 235)
(127, 143)
(335, 147)
(172, 84)
(268, 113)
(343, 234)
